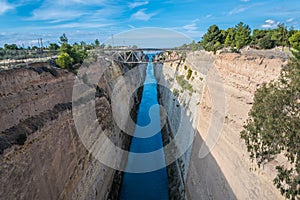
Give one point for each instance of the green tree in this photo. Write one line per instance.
(65, 61)
(242, 35)
(53, 46)
(63, 39)
(77, 53)
(266, 42)
(280, 35)
(97, 43)
(212, 40)
(257, 35)
(10, 47)
(65, 48)
(230, 38)
(295, 43)
(194, 46)
(34, 48)
(273, 128)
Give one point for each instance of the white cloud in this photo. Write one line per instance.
(4, 7)
(270, 24)
(243, 8)
(137, 4)
(208, 16)
(290, 20)
(141, 15)
(238, 10)
(56, 15)
(80, 25)
(190, 27)
(62, 10)
(245, 0)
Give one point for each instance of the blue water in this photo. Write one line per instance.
(151, 185)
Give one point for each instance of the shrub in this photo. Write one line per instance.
(64, 61)
(183, 83)
(176, 92)
(188, 76)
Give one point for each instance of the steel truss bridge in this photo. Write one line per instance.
(139, 55)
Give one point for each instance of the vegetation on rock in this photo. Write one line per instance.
(189, 74)
(273, 128)
(184, 84)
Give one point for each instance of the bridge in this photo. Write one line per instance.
(138, 55)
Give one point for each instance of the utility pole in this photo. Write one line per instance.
(42, 47)
(283, 38)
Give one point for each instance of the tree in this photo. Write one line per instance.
(53, 46)
(229, 39)
(34, 48)
(295, 43)
(65, 61)
(77, 53)
(257, 35)
(266, 42)
(194, 46)
(65, 48)
(97, 43)
(242, 35)
(280, 35)
(63, 39)
(212, 40)
(71, 55)
(273, 128)
(10, 47)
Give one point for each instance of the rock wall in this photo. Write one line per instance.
(27, 92)
(226, 172)
(241, 75)
(43, 156)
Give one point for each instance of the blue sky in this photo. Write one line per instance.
(22, 22)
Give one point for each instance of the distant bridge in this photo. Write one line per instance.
(148, 49)
(138, 56)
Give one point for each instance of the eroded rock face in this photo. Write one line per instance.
(241, 76)
(27, 92)
(51, 161)
(225, 172)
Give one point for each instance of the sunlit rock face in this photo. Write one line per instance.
(42, 156)
(226, 172)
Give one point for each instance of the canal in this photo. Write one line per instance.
(154, 184)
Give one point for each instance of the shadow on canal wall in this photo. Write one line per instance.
(189, 176)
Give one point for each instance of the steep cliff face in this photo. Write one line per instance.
(27, 92)
(42, 155)
(241, 75)
(223, 87)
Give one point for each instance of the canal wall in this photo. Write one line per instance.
(42, 156)
(226, 172)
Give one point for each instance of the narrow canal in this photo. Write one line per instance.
(151, 185)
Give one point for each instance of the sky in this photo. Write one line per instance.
(24, 21)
